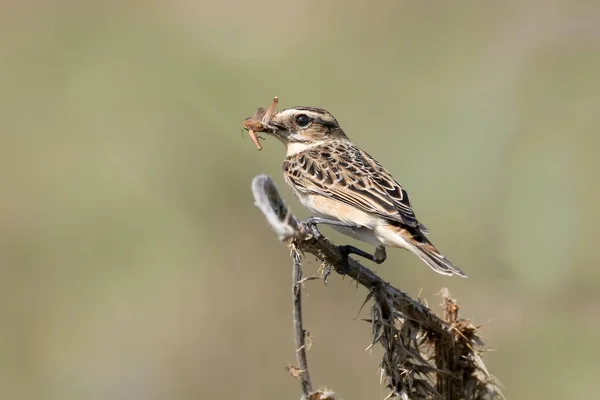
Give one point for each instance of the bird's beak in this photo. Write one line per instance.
(276, 129)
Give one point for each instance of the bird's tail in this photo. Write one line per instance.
(427, 252)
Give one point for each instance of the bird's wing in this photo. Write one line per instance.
(343, 172)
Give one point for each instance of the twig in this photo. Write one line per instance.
(425, 357)
(299, 332)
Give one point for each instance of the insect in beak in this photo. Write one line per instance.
(259, 122)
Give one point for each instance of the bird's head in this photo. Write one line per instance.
(304, 126)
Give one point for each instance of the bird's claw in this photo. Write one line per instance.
(312, 227)
(345, 250)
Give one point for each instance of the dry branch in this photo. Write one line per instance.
(299, 332)
(425, 357)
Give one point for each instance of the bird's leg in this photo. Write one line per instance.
(312, 222)
(379, 256)
(327, 221)
(346, 250)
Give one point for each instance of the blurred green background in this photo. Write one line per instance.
(134, 264)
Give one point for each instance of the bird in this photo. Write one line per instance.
(346, 188)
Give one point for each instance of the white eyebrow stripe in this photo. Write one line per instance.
(286, 113)
(293, 111)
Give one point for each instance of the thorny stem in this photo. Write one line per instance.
(299, 333)
(406, 328)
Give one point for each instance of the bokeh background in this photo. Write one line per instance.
(134, 265)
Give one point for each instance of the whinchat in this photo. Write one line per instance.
(347, 188)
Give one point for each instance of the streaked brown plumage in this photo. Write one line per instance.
(336, 179)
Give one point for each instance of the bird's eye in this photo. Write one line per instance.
(302, 120)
